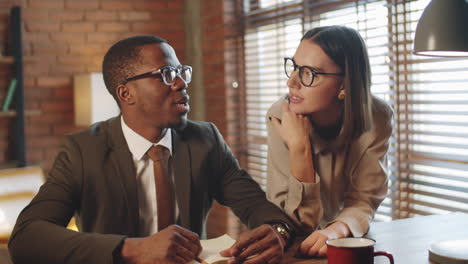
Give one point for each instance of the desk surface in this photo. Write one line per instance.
(407, 239)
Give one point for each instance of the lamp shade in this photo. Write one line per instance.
(92, 101)
(441, 30)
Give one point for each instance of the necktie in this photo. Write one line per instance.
(165, 199)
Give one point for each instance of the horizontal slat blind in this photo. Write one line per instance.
(433, 105)
(265, 46)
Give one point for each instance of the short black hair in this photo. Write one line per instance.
(122, 58)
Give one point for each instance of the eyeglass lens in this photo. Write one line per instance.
(305, 74)
(170, 74)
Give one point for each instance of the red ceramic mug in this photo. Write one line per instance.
(353, 250)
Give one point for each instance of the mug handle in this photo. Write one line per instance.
(383, 253)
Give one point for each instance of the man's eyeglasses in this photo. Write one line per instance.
(306, 73)
(167, 73)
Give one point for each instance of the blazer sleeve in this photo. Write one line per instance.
(40, 234)
(300, 200)
(369, 182)
(239, 191)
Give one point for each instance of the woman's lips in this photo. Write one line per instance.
(293, 99)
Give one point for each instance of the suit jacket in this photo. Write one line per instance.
(94, 178)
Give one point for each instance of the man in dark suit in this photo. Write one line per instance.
(104, 177)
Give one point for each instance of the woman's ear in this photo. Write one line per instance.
(342, 93)
(124, 94)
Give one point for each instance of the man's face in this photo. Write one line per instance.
(156, 103)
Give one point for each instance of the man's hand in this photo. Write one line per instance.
(314, 245)
(260, 245)
(172, 245)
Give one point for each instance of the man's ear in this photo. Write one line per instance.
(124, 94)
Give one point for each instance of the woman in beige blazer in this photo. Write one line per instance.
(328, 139)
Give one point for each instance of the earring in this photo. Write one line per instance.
(341, 96)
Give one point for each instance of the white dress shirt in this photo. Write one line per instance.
(146, 190)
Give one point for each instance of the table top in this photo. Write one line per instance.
(407, 239)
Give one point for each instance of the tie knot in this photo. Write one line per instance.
(158, 153)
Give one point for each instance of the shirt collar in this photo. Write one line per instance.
(139, 145)
(321, 146)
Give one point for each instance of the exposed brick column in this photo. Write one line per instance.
(221, 33)
(67, 37)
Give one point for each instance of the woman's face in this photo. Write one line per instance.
(322, 97)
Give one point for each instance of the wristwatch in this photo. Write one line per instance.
(285, 232)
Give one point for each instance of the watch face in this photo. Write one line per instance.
(280, 229)
(283, 231)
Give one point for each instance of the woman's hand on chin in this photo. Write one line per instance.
(293, 128)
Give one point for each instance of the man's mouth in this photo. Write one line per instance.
(182, 104)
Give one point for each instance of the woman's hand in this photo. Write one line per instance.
(293, 128)
(314, 245)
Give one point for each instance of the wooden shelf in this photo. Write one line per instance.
(12, 113)
(11, 59)
(6, 60)
(8, 165)
(15, 62)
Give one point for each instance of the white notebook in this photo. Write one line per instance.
(212, 247)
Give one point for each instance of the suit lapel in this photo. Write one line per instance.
(125, 172)
(182, 176)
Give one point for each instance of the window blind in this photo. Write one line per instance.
(432, 106)
(428, 155)
(265, 46)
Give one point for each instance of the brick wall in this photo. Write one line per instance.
(66, 37)
(222, 39)
(213, 73)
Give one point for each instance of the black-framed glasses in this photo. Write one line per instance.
(306, 73)
(167, 73)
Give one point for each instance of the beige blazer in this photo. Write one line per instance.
(350, 182)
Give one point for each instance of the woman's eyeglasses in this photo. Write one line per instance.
(306, 73)
(167, 73)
